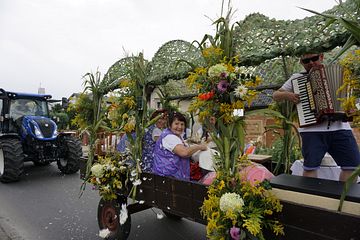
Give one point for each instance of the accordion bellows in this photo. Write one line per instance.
(318, 95)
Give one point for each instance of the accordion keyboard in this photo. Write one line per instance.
(306, 106)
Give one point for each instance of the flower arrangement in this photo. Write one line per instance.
(224, 90)
(222, 87)
(110, 174)
(238, 209)
(122, 110)
(351, 84)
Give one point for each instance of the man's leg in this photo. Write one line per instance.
(313, 151)
(345, 174)
(345, 152)
(310, 173)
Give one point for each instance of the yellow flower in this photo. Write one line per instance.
(125, 83)
(129, 102)
(125, 116)
(252, 225)
(129, 127)
(117, 184)
(211, 226)
(278, 228)
(268, 212)
(221, 185)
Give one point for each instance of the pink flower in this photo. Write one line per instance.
(223, 75)
(222, 86)
(235, 233)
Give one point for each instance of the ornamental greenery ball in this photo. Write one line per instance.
(97, 170)
(231, 202)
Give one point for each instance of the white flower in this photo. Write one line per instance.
(159, 216)
(123, 214)
(240, 91)
(104, 233)
(97, 170)
(231, 201)
(217, 70)
(108, 167)
(133, 173)
(137, 182)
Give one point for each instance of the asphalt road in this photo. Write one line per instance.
(45, 205)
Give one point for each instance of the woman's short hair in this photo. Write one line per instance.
(158, 112)
(177, 116)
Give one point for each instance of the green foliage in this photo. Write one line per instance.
(349, 18)
(277, 151)
(83, 108)
(62, 120)
(285, 114)
(60, 116)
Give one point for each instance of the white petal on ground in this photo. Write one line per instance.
(123, 214)
(159, 216)
(104, 233)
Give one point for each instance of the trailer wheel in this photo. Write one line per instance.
(109, 217)
(171, 215)
(11, 160)
(69, 161)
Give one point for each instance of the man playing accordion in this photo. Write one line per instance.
(334, 137)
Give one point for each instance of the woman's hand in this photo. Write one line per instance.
(202, 147)
(184, 151)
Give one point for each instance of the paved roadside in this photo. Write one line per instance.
(7, 232)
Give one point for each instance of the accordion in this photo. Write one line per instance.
(318, 95)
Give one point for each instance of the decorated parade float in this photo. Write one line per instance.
(226, 73)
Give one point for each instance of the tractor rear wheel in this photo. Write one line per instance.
(11, 160)
(69, 161)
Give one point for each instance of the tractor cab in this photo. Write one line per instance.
(27, 115)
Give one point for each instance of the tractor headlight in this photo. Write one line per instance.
(55, 132)
(37, 132)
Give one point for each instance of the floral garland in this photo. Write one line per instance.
(238, 209)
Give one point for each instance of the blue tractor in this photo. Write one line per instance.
(27, 133)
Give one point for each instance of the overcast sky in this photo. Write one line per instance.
(53, 43)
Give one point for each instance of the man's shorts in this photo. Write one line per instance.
(341, 145)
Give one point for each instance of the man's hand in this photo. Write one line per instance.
(285, 95)
(293, 97)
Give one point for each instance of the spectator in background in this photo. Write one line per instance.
(171, 153)
(204, 132)
(152, 133)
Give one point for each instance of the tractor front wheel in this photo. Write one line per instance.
(11, 160)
